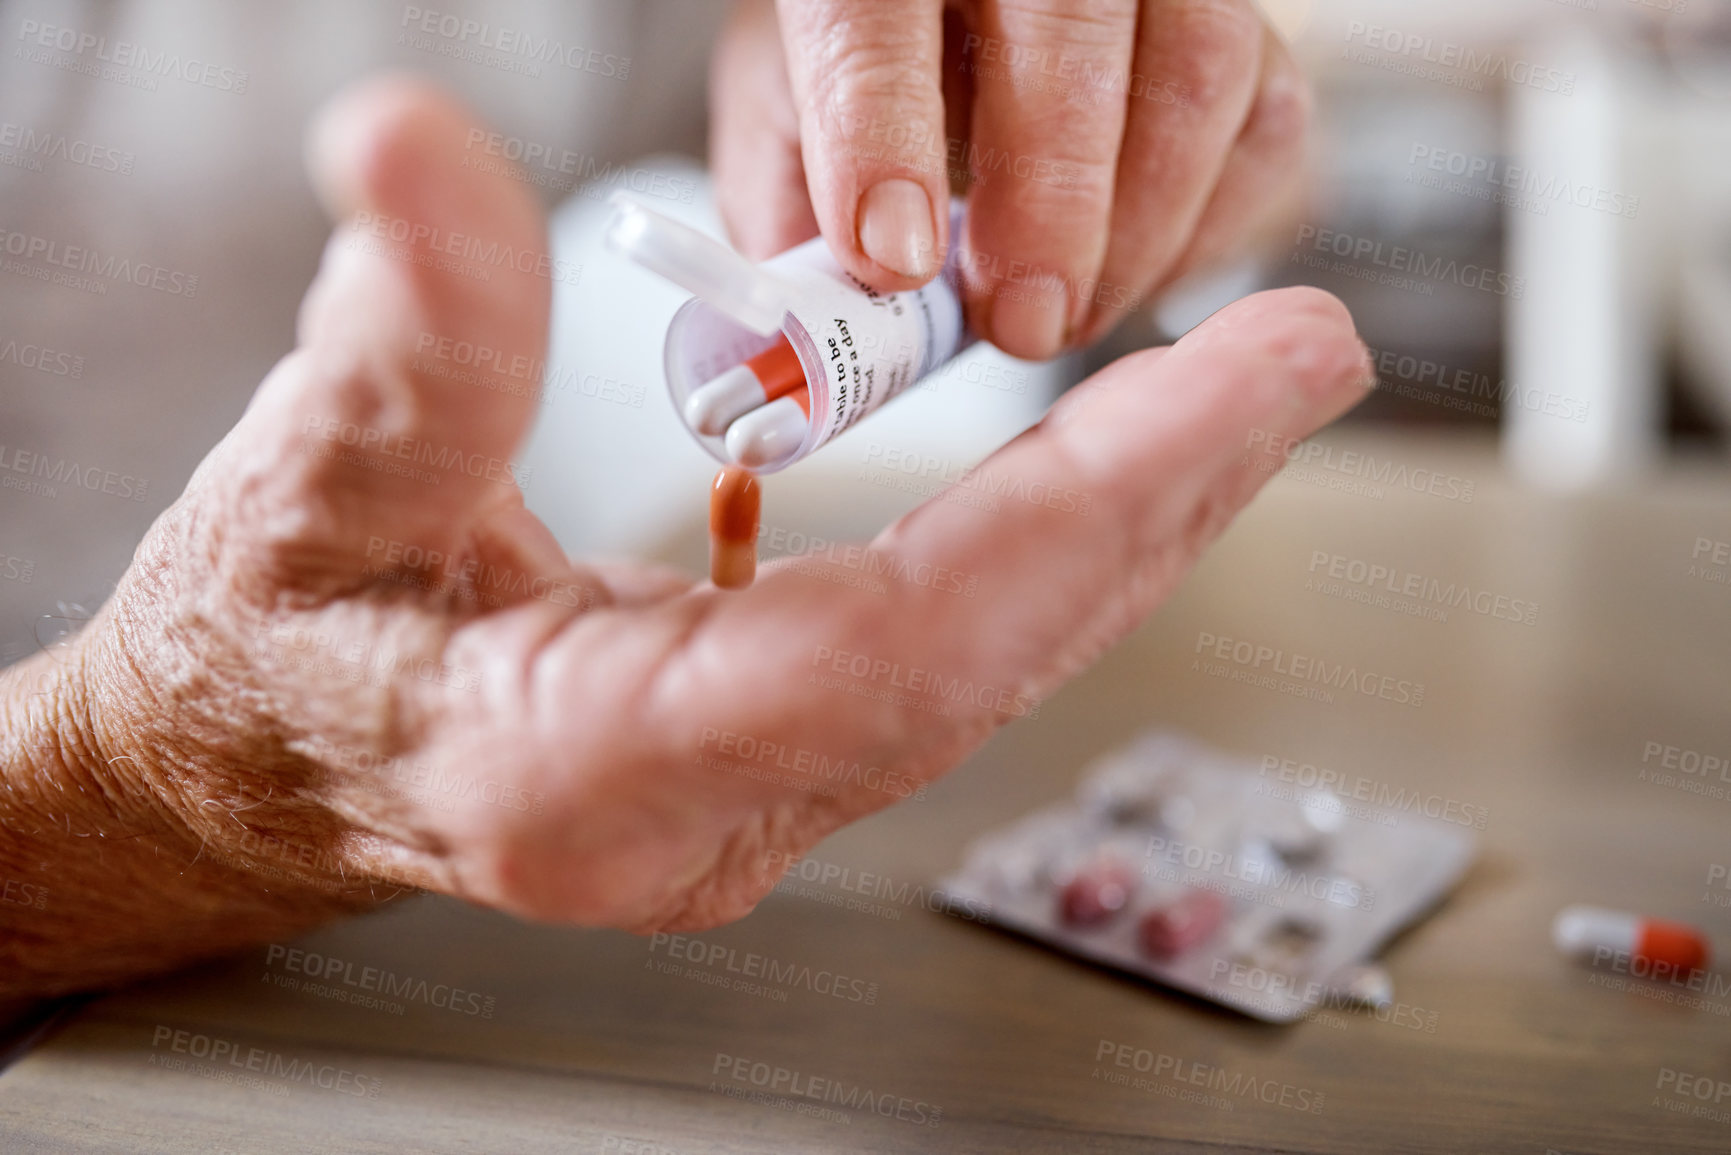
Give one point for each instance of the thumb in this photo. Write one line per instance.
(867, 82)
(420, 347)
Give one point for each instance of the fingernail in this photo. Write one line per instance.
(1030, 322)
(895, 228)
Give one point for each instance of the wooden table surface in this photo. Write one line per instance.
(598, 1041)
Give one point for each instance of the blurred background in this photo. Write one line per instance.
(1580, 150)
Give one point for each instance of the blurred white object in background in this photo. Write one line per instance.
(611, 468)
(1698, 49)
(1585, 326)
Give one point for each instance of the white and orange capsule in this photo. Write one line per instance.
(1653, 948)
(770, 434)
(758, 381)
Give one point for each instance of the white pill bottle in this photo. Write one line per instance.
(857, 347)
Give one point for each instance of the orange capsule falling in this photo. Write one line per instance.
(735, 505)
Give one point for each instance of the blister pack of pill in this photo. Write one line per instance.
(1199, 870)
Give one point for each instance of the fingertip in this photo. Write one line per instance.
(456, 244)
(1308, 331)
(1027, 327)
(348, 138)
(1272, 304)
(431, 251)
(1309, 299)
(1029, 313)
(397, 140)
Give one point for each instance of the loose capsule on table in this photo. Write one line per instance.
(1663, 948)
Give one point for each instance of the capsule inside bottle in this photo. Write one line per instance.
(761, 380)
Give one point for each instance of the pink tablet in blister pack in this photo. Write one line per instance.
(1190, 867)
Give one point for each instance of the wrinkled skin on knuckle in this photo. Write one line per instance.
(1071, 24)
(873, 101)
(1212, 52)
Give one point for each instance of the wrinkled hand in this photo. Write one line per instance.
(333, 641)
(1112, 145)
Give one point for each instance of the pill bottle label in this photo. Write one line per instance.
(869, 346)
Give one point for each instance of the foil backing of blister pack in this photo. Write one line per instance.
(1189, 867)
